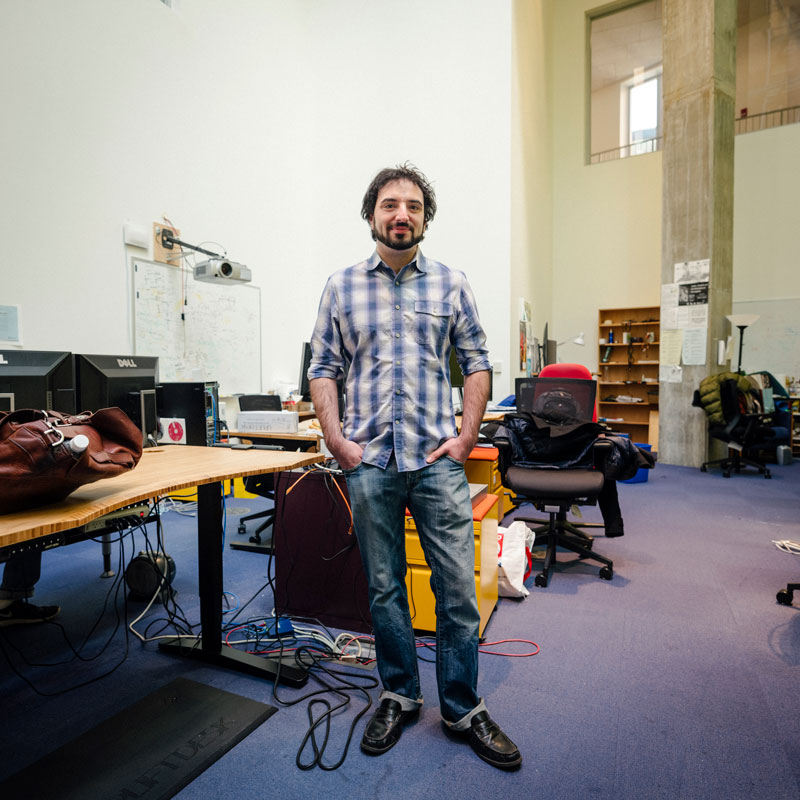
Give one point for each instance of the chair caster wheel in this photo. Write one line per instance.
(726, 474)
(703, 469)
(784, 597)
(606, 573)
(540, 580)
(768, 475)
(242, 528)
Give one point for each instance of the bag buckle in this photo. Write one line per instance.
(50, 428)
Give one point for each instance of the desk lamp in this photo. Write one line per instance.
(741, 321)
(575, 340)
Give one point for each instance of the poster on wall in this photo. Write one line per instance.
(10, 332)
(523, 344)
(525, 336)
(684, 315)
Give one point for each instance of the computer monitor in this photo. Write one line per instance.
(128, 382)
(551, 352)
(303, 386)
(305, 362)
(41, 379)
(556, 398)
(457, 377)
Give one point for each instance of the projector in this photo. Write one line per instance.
(220, 270)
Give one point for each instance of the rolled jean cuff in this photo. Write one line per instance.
(464, 722)
(406, 704)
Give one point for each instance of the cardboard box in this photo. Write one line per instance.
(267, 422)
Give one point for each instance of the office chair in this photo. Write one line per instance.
(781, 422)
(263, 485)
(744, 434)
(570, 473)
(786, 596)
(574, 371)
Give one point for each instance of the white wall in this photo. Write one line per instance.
(256, 124)
(532, 172)
(766, 215)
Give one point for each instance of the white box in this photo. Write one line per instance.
(267, 422)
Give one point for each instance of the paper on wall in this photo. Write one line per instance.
(729, 348)
(669, 306)
(671, 346)
(691, 316)
(694, 346)
(10, 332)
(720, 352)
(693, 271)
(670, 373)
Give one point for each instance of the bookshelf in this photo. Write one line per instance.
(628, 359)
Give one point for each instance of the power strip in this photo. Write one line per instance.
(138, 510)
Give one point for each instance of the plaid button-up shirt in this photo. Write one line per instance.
(393, 334)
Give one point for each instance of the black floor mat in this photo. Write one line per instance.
(150, 750)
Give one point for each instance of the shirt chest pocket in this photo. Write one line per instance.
(431, 322)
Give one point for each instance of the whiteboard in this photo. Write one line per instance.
(772, 342)
(214, 335)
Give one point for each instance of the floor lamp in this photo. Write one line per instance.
(741, 321)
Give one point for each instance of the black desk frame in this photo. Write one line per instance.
(209, 567)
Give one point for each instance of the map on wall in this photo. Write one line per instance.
(199, 331)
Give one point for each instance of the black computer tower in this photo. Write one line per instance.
(197, 404)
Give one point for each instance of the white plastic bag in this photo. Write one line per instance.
(514, 560)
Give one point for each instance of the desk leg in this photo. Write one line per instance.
(209, 564)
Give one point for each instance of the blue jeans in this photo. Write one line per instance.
(438, 498)
(20, 575)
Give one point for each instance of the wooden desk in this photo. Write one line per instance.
(161, 471)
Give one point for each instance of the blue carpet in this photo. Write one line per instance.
(677, 679)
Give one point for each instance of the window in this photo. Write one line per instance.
(767, 64)
(641, 126)
(625, 97)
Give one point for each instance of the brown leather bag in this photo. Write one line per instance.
(46, 455)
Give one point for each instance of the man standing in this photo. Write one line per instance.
(389, 322)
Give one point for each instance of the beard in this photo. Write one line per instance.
(398, 244)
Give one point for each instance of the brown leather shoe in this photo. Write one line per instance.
(385, 727)
(490, 743)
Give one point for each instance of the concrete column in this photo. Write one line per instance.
(698, 86)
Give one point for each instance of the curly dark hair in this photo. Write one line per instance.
(402, 172)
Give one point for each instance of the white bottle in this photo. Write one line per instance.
(77, 445)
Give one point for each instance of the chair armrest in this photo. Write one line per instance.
(503, 455)
(601, 449)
